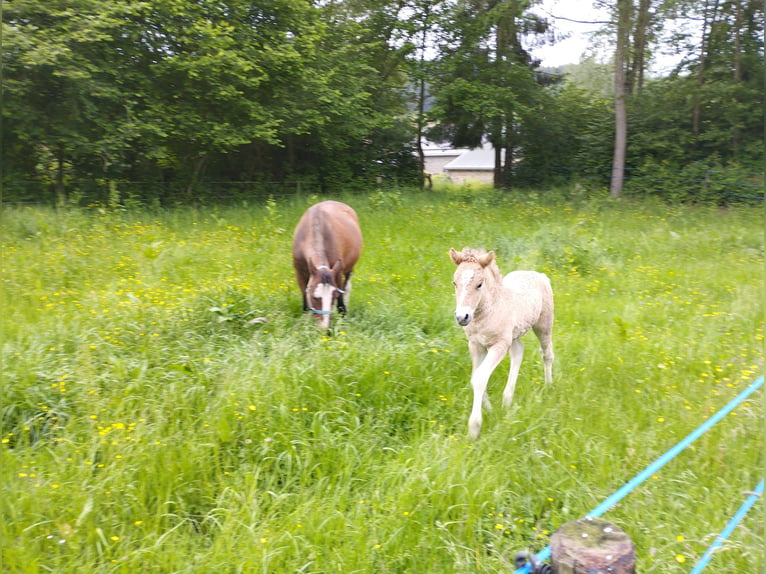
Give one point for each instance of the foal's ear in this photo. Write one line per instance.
(337, 267)
(457, 258)
(487, 258)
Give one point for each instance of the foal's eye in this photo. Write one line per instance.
(480, 285)
(454, 285)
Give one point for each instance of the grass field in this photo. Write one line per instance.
(149, 425)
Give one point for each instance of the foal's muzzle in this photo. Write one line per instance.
(463, 317)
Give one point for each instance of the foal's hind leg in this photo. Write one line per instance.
(517, 354)
(546, 350)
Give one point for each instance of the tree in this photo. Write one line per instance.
(177, 90)
(620, 93)
(225, 75)
(485, 78)
(185, 92)
(372, 44)
(425, 16)
(57, 69)
(642, 33)
(709, 108)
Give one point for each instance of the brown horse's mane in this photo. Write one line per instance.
(317, 242)
(326, 277)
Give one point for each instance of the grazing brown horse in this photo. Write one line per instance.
(495, 312)
(326, 246)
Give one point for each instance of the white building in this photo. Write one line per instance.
(460, 164)
(437, 155)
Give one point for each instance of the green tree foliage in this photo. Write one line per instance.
(64, 113)
(176, 89)
(701, 122)
(566, 134)
(485, 84)
(729, 87)
(100, 93)
(705, 118)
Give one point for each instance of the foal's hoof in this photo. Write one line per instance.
(474, 427)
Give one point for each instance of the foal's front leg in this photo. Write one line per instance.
(478, 353)
(479, 380)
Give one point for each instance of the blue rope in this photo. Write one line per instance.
(657, 464)
(320, 311)
(665, 458)
(728, 529)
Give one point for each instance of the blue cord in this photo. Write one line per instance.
(665, 458)
(728, 529)
(657, 464)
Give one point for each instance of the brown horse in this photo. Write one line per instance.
(326, 246)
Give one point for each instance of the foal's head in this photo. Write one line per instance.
(475, 268)
(322, 290)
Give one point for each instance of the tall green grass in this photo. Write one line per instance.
(166, 406)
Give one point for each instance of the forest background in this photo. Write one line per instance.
(177, 101)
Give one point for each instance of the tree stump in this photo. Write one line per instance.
(592, 546)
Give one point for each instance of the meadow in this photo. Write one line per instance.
(167, 407)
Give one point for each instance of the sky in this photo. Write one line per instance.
(568, 51)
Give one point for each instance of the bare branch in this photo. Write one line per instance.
(577, 21)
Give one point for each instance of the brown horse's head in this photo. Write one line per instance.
(322, 291)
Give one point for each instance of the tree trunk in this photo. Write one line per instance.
(640, 41)
(508, 162)
(421, 155)
(505, 55)
(199, 166)
(60, 191)
(424, 176)
(497, 177)
(620, 111)
(738, 22)
(708, 18)
(735, 136)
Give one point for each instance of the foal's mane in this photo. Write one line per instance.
(471, 255)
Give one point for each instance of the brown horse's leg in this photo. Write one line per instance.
(302, 277)
(343, 297)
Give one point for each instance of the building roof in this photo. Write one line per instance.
(434, 149)
(481, 158)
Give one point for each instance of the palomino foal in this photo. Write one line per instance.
(495, 312)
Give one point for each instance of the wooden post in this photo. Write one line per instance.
(592, 546)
